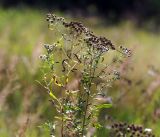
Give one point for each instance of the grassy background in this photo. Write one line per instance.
(22, 35)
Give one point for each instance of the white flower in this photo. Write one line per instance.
(148, 130)
(43, 57)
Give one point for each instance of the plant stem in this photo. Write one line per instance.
(85, 113)
(91, 74)
(62, 126)
(88, 94)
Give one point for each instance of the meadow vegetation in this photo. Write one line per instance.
(25, 107)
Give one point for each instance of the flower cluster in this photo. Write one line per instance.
(78, 27)
(125, 51)
(100, 43)
(43, 57)
(49, 48)
(123, 129)
(51, 18)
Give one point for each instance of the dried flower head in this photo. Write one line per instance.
(124, 129)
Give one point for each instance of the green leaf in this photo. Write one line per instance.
(52, 96)
(58, 118)
(97, 125)
(104, 106)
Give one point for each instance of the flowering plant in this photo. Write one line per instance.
(76, 74)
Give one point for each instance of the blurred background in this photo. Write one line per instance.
(135, 24)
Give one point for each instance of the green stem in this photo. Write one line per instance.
(62, 126)
(92, 73)
(85, 113)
